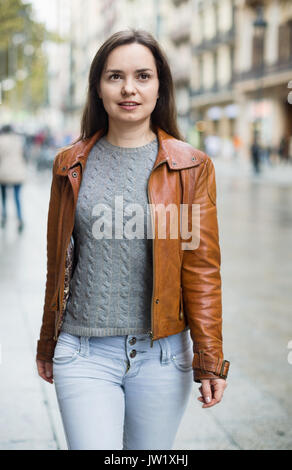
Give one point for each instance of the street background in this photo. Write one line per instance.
(232, 88)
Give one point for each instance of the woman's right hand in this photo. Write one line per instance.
(45, 370)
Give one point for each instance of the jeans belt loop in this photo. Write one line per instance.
(84, 346)
(165, 351)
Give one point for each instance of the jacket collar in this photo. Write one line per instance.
(177, 153)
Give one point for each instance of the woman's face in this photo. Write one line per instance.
(129, 75)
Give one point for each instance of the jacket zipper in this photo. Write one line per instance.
(151, 332)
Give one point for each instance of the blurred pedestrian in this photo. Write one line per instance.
(256, 154)
(284, 149)
(237, 144)
(40, 138)
(12, 170)
(267, 151)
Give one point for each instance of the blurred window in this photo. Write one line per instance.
(285, 41)
(258, 51)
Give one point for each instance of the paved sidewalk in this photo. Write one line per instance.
(275, 174)
(29, 415)
(255, 222)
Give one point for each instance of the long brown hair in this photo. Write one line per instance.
(164, 115)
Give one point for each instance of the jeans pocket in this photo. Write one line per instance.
(183, 359)
(66, 350)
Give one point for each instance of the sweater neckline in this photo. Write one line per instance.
(113, 147)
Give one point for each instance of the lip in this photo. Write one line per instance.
(129, 107)
(123, 103)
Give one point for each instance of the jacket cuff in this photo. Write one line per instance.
(45, 349)
(207, 368)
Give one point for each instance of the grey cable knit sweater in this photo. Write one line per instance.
(111, 287)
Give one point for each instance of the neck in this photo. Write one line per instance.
(127, 135)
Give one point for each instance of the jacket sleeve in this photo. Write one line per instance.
(201, 283)
(46, 344)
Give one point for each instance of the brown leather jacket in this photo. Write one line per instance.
(186, 282)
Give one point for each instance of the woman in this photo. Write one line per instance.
(12, 171)
(143, 317)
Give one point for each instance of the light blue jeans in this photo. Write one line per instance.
(116, 392)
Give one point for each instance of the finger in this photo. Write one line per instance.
(218, 392)
(50, 380)
(206, 405)
(218, 388)
(200, 398)
(47, 373)
(209, 405)
(206, 391)
(42, 374)
(40, 365)
(48, 370)
(41, 369)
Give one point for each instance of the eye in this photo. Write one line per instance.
(114, 75)
(145, 75)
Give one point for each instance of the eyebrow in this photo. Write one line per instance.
(120, 71)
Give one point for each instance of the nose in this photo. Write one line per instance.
(128, 87)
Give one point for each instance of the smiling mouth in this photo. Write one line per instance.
(128, 104)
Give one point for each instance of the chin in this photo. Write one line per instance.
(132, 118)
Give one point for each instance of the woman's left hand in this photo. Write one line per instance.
(211, 391)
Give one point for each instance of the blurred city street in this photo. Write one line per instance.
(229, 64)
(255, 220)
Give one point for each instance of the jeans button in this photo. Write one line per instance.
(133, 353)
(132, 341)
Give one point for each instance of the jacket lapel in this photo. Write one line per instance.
(176, 153)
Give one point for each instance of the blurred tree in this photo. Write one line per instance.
(10, 21)
(23, 63)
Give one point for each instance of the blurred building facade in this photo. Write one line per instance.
(263, 70)
(179, 20)
(213, 50)
(231, 62)
(242, 62)
(58, 67)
